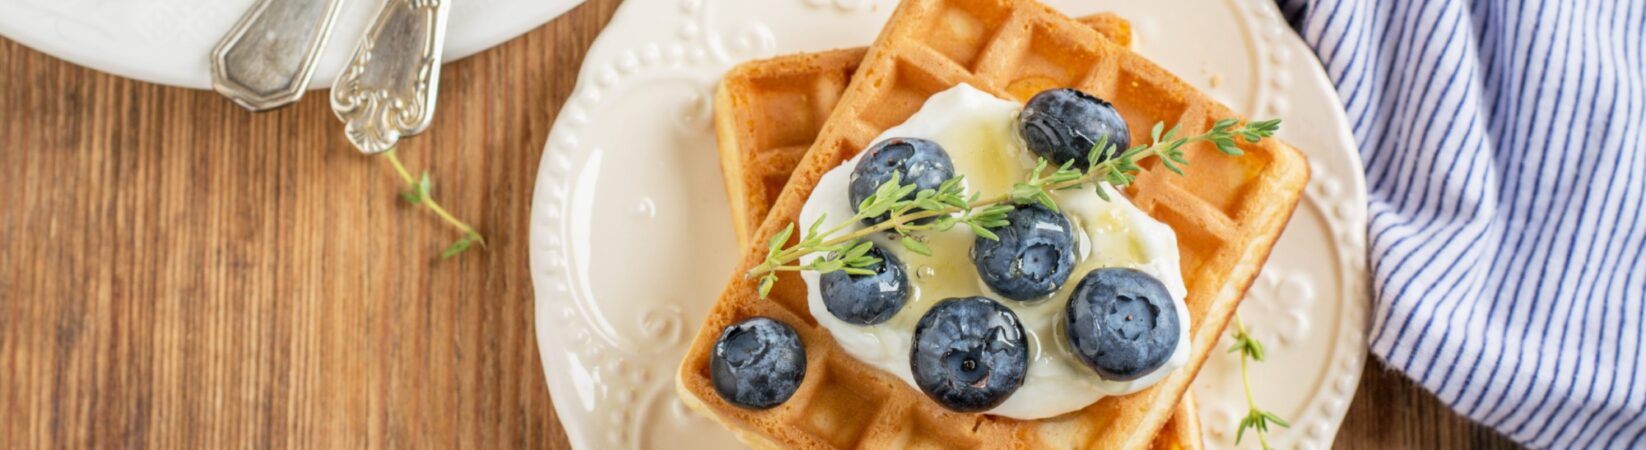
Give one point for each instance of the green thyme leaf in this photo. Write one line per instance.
(460, 246)
(944, 223)
(982, 232)
(1024, 193)
(1170, 165)
(825, 265)
(782, 237)
(1271, 417)
(1241, 433)
(857, 251)
(916, 246)
(1100, 151)
(1172, 133)
(1117, 179)
(812, 230)
(766, 284)
(1045, 199)
(991, 217)
(419, 190)
(863, 262)
(1263, 128)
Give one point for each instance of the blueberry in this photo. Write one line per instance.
(1122, 323)
(1033, 257)
(867, 299)
(757, 363)
(1064, 124)
(917, 161)
(969, 354)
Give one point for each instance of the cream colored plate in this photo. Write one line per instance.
(631, 239)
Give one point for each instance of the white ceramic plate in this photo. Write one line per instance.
(631, 240)
(168, 41)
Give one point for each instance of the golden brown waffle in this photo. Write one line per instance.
(779, 96)
(1227, 213)
(768, 112)
(1182, 431)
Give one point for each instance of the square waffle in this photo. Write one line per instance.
(1227, 213)
(767, 112)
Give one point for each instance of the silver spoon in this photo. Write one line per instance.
(265, 61)
(388, 89)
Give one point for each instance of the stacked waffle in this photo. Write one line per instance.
(782, 123)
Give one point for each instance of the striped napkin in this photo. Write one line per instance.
(1505, 150)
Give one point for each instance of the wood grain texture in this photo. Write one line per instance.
(176, 272)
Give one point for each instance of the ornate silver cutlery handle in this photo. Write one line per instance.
(388, 89)
(265, 61)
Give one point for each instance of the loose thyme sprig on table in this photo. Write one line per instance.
(418, 194)
(949, 206)
(1256, 418)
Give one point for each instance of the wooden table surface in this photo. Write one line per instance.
(176, 272)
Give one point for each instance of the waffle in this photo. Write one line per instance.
(1227, 213)
(768, 112)
(791, 91)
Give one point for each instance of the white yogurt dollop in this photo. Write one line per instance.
(979, 133)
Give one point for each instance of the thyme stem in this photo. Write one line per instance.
(1246, 381)
(428, 200)
(897, 221)
(1256, 418)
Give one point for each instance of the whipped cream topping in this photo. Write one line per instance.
(980, 134)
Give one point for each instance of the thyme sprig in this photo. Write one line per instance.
(417, 193)
(1256, 418)
(948, 205)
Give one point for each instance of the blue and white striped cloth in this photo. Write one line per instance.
(1505, 150)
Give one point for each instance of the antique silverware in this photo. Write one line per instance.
(388, 89)
(265, 61)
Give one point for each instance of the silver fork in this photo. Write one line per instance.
(388, 89)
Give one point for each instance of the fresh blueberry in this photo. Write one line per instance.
(1064, 124)
(969, 354)
(757, 363)
(1122, 323)
(917, 161)
(1033, 257)
(867, 299)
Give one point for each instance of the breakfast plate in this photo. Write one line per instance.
(168, 41)
(632, 238)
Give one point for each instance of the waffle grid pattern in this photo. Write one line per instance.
(1227, 212)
